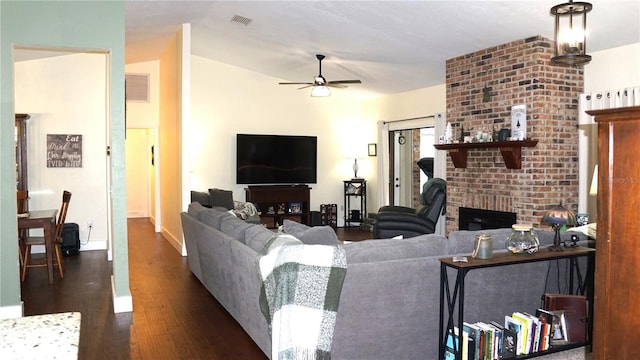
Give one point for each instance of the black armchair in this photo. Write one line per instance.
(408, 222)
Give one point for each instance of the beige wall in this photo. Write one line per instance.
(407, 105)
(227, 100)
(613, 69)
(169, 144)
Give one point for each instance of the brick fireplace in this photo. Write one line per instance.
(519, 72)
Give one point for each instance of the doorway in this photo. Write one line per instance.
(64, 91)
(140, 160)
(412, 164)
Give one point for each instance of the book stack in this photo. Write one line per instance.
(520, 334)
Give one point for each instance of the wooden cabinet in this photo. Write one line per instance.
(279, 202)
(21, 151)
(617, 279)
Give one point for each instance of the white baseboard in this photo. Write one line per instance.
(12, 312)
(177, 244)
(121, 303)
(91, 245)
(94, 245)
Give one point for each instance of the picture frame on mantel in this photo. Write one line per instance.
(519, 122)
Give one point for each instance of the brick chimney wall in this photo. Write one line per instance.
(516, 73)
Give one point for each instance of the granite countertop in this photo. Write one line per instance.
(50, 336)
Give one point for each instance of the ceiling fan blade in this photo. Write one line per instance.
(295, 83)
(319, 80)
(345, 82)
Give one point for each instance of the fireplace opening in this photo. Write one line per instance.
(481, 219)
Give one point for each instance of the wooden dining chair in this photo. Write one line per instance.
(22, 196)
(29, 241)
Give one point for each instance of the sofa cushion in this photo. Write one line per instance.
(235, 228)
(212, 217)
(316, 235)
(222, 198)
(395, 249)
(256, 237)
(195, 209)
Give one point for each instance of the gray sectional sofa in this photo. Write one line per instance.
(389, 305)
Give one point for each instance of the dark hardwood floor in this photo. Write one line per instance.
(174, 316)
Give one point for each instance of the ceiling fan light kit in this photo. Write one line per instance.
(320, 85)
(320, 91)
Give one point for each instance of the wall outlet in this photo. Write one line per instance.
(89, 225)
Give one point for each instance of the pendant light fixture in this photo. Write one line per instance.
(571, 33)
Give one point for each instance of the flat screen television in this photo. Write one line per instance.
(276, 159)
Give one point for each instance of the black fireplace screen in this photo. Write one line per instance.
(480, 219)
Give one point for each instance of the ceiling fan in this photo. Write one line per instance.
(321, 84)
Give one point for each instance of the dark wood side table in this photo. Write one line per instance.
(455, 297)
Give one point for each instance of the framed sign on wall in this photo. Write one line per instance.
(64, 150)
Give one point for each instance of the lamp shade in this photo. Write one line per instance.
(559, 215)
(594, 182)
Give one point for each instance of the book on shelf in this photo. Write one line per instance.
(487, 340)
(516, 326)
(536, 333)
(546, 322)
(473, 342)
(499, 338)
(575, 311)
(509, 342)
(452, 344)
(527, 330)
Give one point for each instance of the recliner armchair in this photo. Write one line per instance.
(408, 222)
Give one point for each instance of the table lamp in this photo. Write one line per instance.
(557, 217)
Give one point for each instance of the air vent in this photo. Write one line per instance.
(241, 20)
(137, 87)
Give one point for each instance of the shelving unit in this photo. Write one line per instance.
(454, 298)
(21, 151)
(355, 201)
(511, 151)
(329, 215)
(280, 196)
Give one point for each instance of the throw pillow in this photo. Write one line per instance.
(317, 235)
(222, 198)
(201, 197)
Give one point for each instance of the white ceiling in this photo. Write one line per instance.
(392, 46)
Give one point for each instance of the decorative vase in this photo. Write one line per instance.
(522, 239)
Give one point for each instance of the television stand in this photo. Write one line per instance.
(277, 203)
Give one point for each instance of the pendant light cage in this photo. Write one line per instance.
(571, 33)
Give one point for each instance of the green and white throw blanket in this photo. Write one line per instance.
(299, 297)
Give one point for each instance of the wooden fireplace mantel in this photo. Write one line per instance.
(511, 151)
